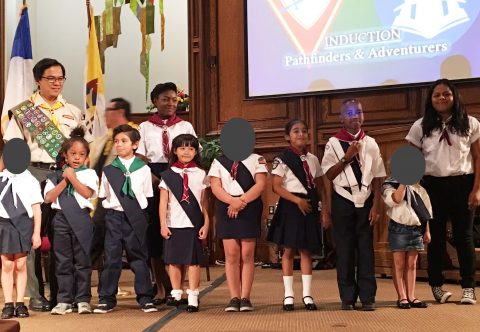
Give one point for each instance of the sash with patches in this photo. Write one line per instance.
(244, 177)
(78, 218)
(40, 127)
(174, 182)
(295, 164)
(134, 212)
(18, 215)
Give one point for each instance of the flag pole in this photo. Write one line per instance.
(88, 14)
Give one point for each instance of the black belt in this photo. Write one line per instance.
(49, 166)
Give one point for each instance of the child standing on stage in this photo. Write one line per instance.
(183, 216)
(353, 163)
(409, 210)
(18, 234)
(71, 191)
(126, 184)
(238, 186)
(296, 222)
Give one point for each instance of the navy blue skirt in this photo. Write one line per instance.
(247, 225)
(183, 247)
(290, 228)
(12, 241)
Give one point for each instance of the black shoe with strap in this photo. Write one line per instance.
(416, 303)
(288, 307)
(309, 306)
(403, 304)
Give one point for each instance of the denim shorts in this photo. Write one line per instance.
(404, 238)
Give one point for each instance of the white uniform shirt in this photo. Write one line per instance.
(26, 187)
(69, 117)
(370, 160)
(290, 181)
(402, 212)
(141, 186)
(197, 182)
(87, 177)
(254, 163)
(150, 144)
(442, 159)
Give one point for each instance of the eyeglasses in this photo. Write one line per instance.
(52, 79)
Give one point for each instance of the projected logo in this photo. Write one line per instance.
(306, 21)
(429, 18)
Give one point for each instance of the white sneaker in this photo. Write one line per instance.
(468, 296)
(61, 309)
(84, 308)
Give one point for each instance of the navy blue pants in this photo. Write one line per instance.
(355, 255)
(72, 264)
(119, 235)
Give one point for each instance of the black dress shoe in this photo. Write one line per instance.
(288, 307)
(368, 306)
(39, 304)
(8, 310)
(159, 301)
(416, 303)
(309, 306)
(347, 306)
(21, 311)
(192, 308)
(403, 305)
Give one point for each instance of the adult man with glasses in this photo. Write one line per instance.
(43, 121)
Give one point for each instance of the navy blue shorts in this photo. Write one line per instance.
(404, 238)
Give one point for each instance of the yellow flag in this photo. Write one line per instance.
(95, 88)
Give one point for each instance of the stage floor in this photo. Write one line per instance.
(268, 315)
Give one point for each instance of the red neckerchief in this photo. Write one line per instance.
(234, 170)
(344, 135)
(164, 124)
(445, 134)
(185, 196)
(303, 157)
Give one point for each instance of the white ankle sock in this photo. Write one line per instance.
(307, 285)
(288, 284)
(177, 294)
(193, 297)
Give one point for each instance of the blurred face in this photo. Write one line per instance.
(76, 155)
(51, 83)
(352, 116)
(112, 113)
(185, 154)
(166, 103)
(298, 136)
(124, 146)
(442, 99)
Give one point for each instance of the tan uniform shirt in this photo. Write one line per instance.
(69, 117)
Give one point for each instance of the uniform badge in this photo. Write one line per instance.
(262, 161)
(275, 163)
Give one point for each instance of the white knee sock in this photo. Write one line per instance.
(193, 297)
(288, 284)
(177, 294)
(307, 285)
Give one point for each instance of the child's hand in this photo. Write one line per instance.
(202, 233)
(304, 206)
(326, 220)
(232, 212)
(36, 241)
(165, 231)
(237, 203)
(352, 150)
(427, 238)
(68, 173)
